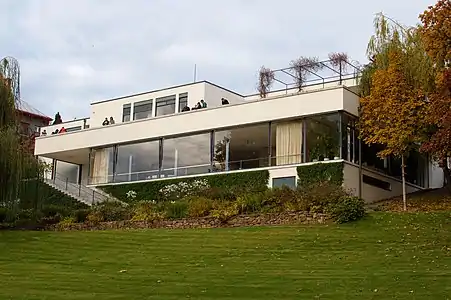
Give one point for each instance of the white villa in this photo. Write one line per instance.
(153, 139)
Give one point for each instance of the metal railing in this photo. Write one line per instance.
(215, 167)
(79, 191)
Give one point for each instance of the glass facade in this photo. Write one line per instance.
(241, 148)
(187, 155)
(289, 142)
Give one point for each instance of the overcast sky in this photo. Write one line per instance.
(75, 52)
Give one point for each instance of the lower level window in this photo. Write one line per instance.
(284, 181)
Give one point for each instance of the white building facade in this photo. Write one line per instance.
(152, 138)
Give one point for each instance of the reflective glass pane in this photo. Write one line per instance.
(186, 155)
(137, 162)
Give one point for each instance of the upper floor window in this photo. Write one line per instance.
(183, 101)
(126, 112)
(165, 105)
(142, 110)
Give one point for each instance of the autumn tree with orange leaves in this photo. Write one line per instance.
(390, 114)
(436, 36)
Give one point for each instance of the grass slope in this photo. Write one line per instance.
(385, 256)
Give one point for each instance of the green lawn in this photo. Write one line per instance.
(385, 256)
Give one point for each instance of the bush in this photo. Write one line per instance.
(147, 211)
(215, 193)
(225, 211)
(27, 218)
(199, 206)
(110, 211)
(249, 203)
(347, 209)
(278, 199)
(253, 181)
(4, 214)
(51, 211)
(317, 197)
(176, 209)
(81, 215)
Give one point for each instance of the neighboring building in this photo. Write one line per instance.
(153, 139)
(30, 120)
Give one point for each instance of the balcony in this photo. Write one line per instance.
(250, 112)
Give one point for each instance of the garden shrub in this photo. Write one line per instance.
(242, 182)
(176, 209)
(182, 189)
(199, 206)
(317, 197)
(320, 172)
(27, 218)
(346, 209)
(147, 211)
(225, 211)
(81, 215)
(4, 213)
(111, 211)
(221, 194)
(66, 222)
(249, 203)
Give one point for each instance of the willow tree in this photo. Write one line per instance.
(11, 156)
(393, 87)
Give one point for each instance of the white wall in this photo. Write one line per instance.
(436, 176)
(371, 193)
(214, 94)
(114, 107)
(196, 121)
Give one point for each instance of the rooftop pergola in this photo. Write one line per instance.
(318, 72)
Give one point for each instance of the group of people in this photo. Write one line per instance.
(62, 130)
(108, 122)
(203, 104)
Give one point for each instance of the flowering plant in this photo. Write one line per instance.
(182, 189)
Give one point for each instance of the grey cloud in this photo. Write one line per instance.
(75, 52)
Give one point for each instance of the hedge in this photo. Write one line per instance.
(320, 172)
(37, 194)
(244, 181)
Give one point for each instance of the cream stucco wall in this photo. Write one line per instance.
(248, 112)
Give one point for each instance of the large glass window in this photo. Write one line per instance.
(241, 148)
(323, 137)
(137, 161)
(165, 105)
(183, 101)
(101, 165)
(186, 155)
(126, 112)
(349, 137)
(286, 142)
(142, 110)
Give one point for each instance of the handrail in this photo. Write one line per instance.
(79, 190)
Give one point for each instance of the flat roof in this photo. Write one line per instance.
(167, 88)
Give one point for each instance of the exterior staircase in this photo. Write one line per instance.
(80, 192)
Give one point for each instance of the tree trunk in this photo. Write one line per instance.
(446, 174)
(403, 169)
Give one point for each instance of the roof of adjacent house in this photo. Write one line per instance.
(26, 108)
